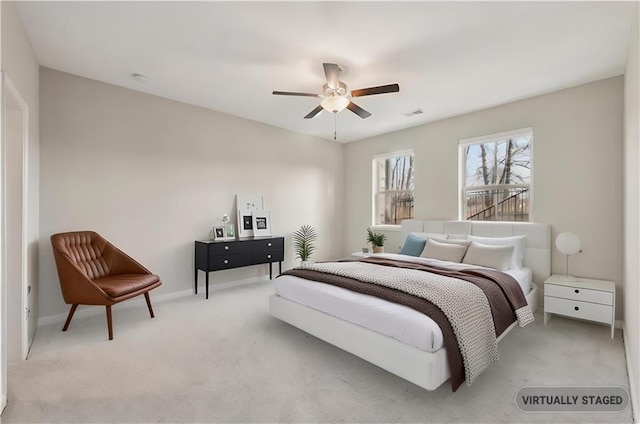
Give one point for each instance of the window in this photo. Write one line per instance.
(496, 177)
(393, 182)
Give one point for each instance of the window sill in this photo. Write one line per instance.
(396, 228)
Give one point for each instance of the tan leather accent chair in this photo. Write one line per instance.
(92, 271)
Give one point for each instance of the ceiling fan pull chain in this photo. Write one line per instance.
(335, 130)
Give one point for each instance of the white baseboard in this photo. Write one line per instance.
(87, 311)
(633, 393)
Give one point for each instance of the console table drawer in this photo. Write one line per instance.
(266, 257)
(223, 248)
(268, 245)
(579, 293)
(576, 309)
(229, 261)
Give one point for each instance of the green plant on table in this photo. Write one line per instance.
(376, 239)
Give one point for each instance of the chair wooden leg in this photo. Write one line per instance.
(148, 299)
(109, 323)
(71, 312)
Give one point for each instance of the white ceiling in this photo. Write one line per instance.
(448, 57)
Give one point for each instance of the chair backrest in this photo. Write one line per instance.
(86, 249)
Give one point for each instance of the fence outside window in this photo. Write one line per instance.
(497, 177)
(498, 203)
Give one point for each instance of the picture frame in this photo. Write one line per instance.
(261, 223)
(219, 233)
(246, 204)
(245, 223)
(251, 202)
(230, 232)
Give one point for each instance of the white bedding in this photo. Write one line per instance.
(400, 322)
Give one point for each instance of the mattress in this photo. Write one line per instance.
(397, 321)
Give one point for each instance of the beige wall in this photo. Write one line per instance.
(632, 212)
(577, 171)
(153, 175)
(21, 66)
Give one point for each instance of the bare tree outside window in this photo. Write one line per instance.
(498, 179)
(393, 197)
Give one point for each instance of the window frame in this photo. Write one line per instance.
(374, 185)
(462, 166)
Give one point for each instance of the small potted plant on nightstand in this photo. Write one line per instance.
(303, 239)
(376, 239)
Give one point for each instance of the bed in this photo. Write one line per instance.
(394, 337)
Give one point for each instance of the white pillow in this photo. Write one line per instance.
(497, 257)
(519, 244)
(444, 251)
(454, 241)
(427, 236)
(458, 237)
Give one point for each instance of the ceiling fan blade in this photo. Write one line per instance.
(293, 93)
(382, 89)
(358, 110)
(332, 73)
(314, 112)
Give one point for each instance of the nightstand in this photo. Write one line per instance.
(593, 300)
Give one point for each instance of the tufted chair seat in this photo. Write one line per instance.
(92, 271)
(119, 285)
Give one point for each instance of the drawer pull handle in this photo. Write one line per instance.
(269, 244)
(268, 256)
(226, 261)
(226, 248)
(576, 308)
(577, 291)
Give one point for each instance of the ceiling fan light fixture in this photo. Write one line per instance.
(335, 104)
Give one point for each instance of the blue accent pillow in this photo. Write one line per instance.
(413, 245)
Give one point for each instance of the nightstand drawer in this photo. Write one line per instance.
(578, 293)
(583, 310)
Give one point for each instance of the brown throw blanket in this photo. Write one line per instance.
(503, 294)
(492, 283)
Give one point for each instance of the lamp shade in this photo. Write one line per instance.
(568, 243)
(335, 104)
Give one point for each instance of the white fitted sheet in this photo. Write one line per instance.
(400, 322)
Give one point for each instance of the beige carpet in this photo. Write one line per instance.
(227, 360)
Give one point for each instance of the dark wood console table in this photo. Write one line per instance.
(216, 255)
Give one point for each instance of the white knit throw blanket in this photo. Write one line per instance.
(463, 303)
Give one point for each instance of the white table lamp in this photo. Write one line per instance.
(568, 244)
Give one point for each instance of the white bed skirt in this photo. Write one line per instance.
(425, 369)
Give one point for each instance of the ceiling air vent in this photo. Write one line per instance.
(413, 113)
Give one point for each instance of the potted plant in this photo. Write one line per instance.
(303, 239)
(376, 240)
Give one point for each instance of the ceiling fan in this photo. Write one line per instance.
(336, 96)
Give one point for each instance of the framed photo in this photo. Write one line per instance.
(246, 204)
(230, 231)
(261, 222)
(219, 233)
(245, 223)
(251, 202)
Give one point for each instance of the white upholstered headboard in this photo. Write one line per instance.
(538, 251)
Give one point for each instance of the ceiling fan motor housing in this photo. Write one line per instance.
(330, 92)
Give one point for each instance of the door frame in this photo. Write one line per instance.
(7, 88)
